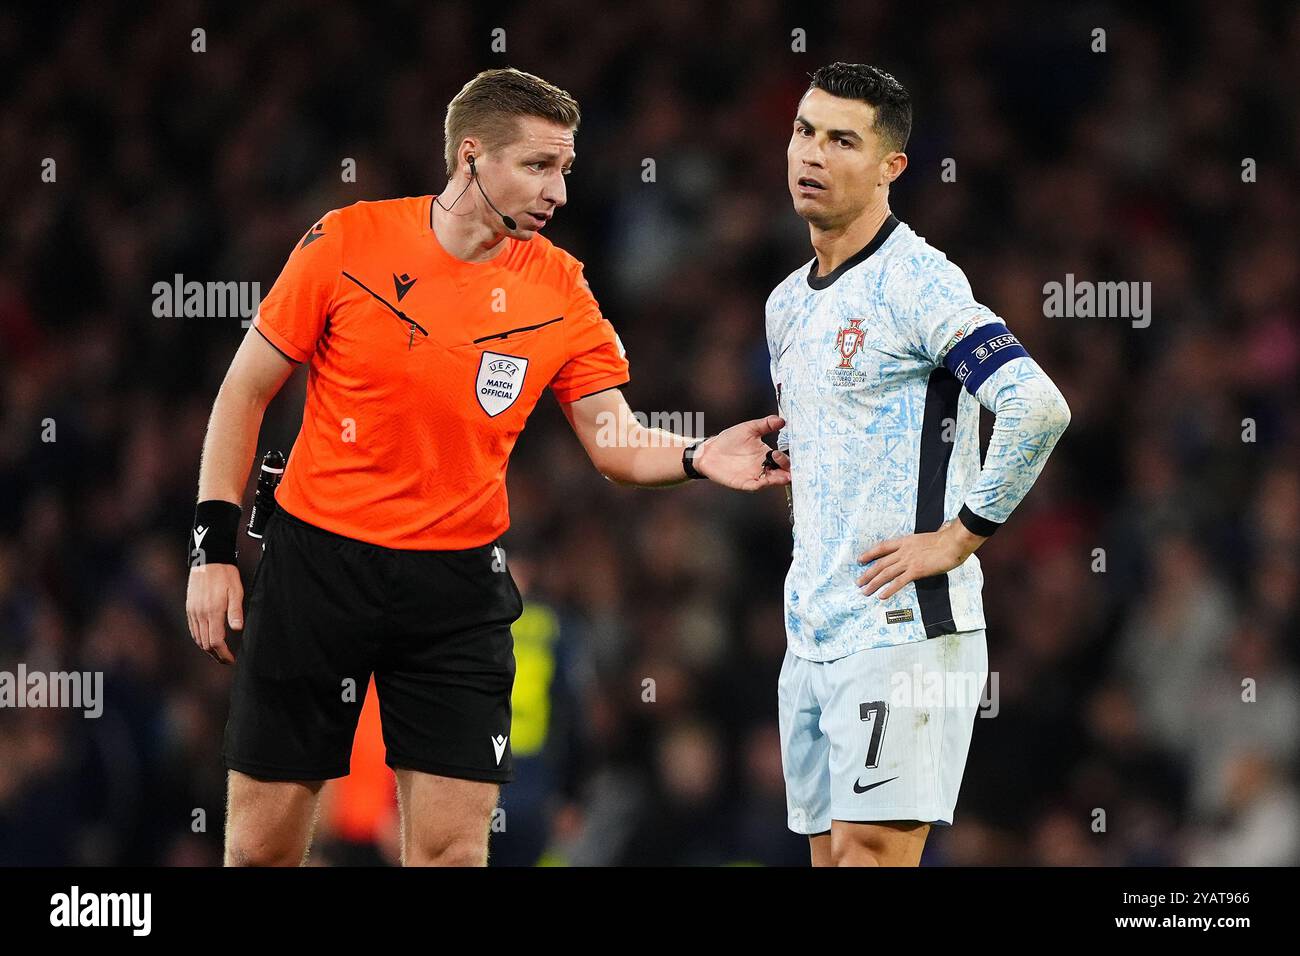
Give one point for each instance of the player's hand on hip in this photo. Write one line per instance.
(900, 561)
(739, 458)
(214, 599)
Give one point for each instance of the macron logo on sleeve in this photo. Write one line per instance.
(316, 232)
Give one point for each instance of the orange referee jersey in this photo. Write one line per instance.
(423, 370)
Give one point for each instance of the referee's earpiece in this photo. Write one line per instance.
(473, 175)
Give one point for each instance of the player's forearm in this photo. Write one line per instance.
(1030, 416)
(230, 445)
(646, 457)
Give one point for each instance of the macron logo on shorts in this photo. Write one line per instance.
(499, 745)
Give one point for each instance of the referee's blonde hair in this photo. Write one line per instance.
(489, 106)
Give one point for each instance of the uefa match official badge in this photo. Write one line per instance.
(500, 380)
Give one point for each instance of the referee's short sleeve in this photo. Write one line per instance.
(292, 316)
(596, 359)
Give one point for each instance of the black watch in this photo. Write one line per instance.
(688, 459)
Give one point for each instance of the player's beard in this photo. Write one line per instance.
(819, 221)
(832, 220)
(826, 220)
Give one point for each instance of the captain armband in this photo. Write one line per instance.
(980, 353)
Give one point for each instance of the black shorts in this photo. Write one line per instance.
(326, 611)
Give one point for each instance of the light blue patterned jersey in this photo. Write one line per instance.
(868, 364)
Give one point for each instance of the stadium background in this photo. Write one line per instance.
(1118, 690)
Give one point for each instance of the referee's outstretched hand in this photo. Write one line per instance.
(739, 458)
(214, 598)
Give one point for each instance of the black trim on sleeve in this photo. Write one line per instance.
(825, 282)
(276, 347)
(607, 388)
(975, 524)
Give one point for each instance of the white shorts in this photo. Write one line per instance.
(881, 734)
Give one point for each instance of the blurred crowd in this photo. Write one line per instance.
(1141, 603)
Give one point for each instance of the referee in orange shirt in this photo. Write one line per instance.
(430, 327)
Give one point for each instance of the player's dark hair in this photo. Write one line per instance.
(489, 106)
(875, 87)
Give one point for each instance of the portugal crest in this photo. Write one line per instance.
(848, 341)
(500, 380)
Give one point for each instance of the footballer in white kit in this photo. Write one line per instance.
(881, 359)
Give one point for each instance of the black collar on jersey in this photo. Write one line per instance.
(826, 281)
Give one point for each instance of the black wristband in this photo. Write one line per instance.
(688, 459)
(975, 524)
(214, 534)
